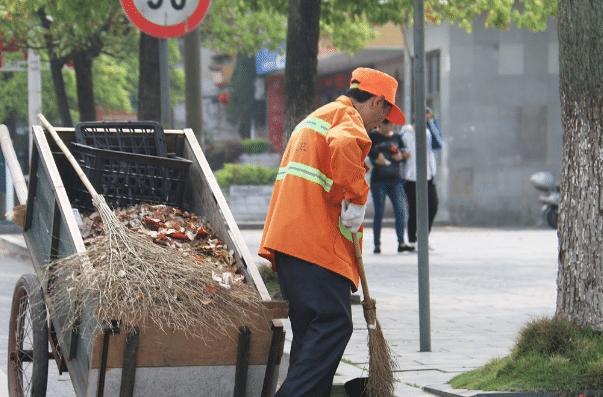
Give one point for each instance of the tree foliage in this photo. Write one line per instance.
(71, 25)
(75, 25)
(234, 26)
(68, 30)
(13, 92)
(114, 83)
(531, 14)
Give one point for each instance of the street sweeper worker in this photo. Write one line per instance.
(318, 201)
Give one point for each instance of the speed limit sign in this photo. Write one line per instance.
(165, 18)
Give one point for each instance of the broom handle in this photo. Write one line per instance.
(74, 163)
(365, 289)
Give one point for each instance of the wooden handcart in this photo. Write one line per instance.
(144, 363)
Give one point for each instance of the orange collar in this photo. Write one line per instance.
(347, 101)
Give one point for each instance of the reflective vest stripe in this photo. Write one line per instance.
(346, 232)
(315, 124)
(306, 172)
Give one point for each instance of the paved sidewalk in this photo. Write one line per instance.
(485, 284)
(3, 383)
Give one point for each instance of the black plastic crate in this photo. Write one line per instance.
(126, 179)
(141, 137)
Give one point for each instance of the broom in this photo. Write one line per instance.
(127, 277)
(381, 362)
(116, 231)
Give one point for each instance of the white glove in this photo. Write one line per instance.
(352, 215)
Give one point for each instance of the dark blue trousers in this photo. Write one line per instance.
(395, 192)
(321, 319)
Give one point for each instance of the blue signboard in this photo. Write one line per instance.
(267, 61)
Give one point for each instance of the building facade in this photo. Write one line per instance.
(497, 95)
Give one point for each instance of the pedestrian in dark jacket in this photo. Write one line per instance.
(387, 155)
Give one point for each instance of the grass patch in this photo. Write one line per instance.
(270, 280)
(551, 354)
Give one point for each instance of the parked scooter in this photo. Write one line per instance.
(545, 182)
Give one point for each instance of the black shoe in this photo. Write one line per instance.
(402, 247)
(377, 250)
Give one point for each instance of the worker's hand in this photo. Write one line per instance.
(352, 215)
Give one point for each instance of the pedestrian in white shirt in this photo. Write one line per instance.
(410, 175)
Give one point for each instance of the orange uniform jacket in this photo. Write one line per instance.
(322, 165)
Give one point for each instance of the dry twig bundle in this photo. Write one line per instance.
(381, 381)
(124, 276)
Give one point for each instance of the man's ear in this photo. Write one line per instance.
(378, 100)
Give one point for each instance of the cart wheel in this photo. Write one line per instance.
(28, 340)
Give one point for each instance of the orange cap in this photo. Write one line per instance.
(379, 83)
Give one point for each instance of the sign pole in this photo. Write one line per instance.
(422, 196)
(164, 84)
(192, 76)
(164, 19)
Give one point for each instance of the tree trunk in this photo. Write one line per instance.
(303, 30)
(82, 61)
(241, 108)
(149, 93)
(580, 276)
(245, 125)
(56, 70)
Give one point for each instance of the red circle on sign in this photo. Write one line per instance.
(165, 31)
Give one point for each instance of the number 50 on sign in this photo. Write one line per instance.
(165, 18)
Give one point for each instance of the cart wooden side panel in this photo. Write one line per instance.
(51, 231)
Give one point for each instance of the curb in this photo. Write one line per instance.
(14, 244)
(477, 393)
(446, 393)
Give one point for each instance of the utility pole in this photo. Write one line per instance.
(34, 92)
(408, 81)
(421, 159)
(192, 73)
